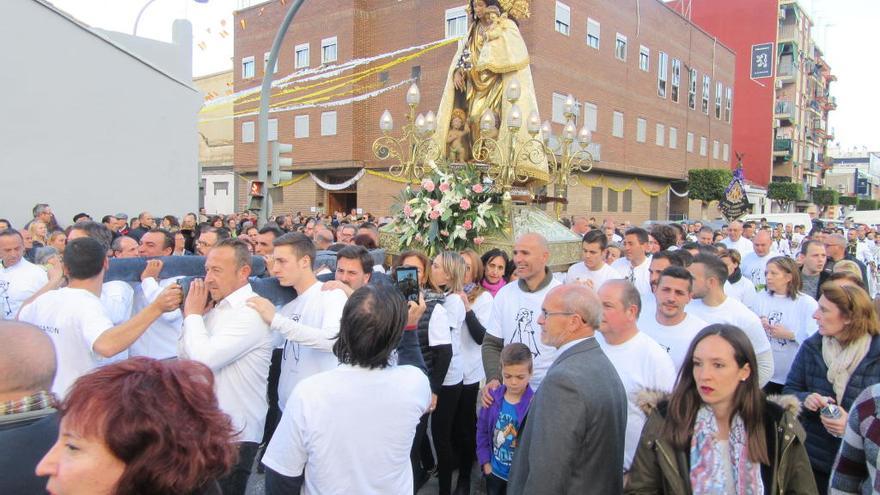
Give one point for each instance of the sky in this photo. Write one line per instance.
(842, 28)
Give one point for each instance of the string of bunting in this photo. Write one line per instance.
(603, 181)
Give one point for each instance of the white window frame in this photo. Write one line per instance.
(617, 124)
(326, 43)
(326, 119)
(690, 142)
(301, 127)
(660, 132)
(302, 47)
(563, 19)
(692, 89)
(594, 33)
(591, 116)
(244, 66)
(719, 95)
(558, 108)
(673, 138)
(618, 40)
(455, 14)
(716, 149)
(725, 152)
(707, 86)
(676, 80)
(641, 130)
(266, 63)
(248, 131)
(728, 105)
(662, 74)
(704, 146)
(272, 130)
(644, 58)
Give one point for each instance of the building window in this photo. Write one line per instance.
(563, 18)
(662, 74)
(725, 152)
(641, 130)
(415, 72)
(612, 200)
(594, 30)
(302, 56)
(661, 135)
(328, 50)
(617, 125)
(704, 145)
(591, 116)
(719, 92)
(456, 22)
(676, 78)
(328, 124)
(627, 201)
(301, 126)
(673, 138)
(707, 83)
(221, 187)
(728, 103)
(559, 108)
(596, 199)
(620, 47)
(272, 129)
(644, 58)
(716, 149)
(654, 208)
(692, 89)
(247, 132)
(247, 67)
(266, 63)
(690, 142)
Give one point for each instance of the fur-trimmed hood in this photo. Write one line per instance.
(649, 400)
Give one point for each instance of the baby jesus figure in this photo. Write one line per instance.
(456, 145)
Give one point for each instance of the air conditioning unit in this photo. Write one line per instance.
(777, 123)
(779, 84)
(782, 13)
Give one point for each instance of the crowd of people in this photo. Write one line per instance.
(675, 359)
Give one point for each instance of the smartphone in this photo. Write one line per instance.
(407, 282)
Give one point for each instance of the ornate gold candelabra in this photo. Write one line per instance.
(415, 152)
(572, 161)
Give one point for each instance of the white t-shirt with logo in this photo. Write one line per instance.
(579, 272)
(303, 358)
(641, 364)
(675, 339)
(471, 352)
(743, 245)
(753, 268)
(17, 283)
(734, 313)
(350, 430)
(795, 315)
(515, 319)
(73, 319)
(640, 276)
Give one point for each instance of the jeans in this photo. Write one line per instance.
(495, 485)
(235, 483)
(441, 431)
(464, 432)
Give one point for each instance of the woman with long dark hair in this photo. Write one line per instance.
(496, 270)
(717, 433)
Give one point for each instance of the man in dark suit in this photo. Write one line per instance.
(574, 432)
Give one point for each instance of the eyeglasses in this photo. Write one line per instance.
(546, 315)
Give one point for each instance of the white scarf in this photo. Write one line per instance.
(842, 361)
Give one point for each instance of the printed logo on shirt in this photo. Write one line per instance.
(525, 331)
(5, 305)
(293, 346)
(775, 318)
(50, 330)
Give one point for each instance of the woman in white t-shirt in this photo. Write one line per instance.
(737, 286)
(787, 316)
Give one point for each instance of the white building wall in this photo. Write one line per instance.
(86, 125)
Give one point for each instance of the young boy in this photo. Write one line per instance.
(498, 425)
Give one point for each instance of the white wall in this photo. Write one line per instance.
(218, 202)
(87, 126)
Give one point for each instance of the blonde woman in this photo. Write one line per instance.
(39, 233)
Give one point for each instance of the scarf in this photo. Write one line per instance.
(36, 402)
(493, 288)
(842, 361)
(708, 472)
(735, 276)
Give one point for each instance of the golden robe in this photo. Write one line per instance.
(495, 62)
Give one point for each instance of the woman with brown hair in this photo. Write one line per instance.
(717, 433)
(787, 316)
(832, 367)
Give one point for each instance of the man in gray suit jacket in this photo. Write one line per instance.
(574, 433)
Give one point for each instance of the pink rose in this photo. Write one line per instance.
(479, 240)
(418, 237)
(444, 233)
(444, 187)
(464, 204)
(408, 211)
(434, 203)
(478, 188)
(468, 225)
(434, 215)
(428, 185)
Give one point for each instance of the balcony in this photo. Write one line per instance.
(831, 104)
(782, 149)
(784, 110)
(788, 32)
(814, 106)
(786, 71)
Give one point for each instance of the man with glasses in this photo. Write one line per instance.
(209, 237)
(835, 248)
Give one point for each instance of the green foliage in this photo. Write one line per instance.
(849, 200)
(867, 204)
(785, 192)
(708, 184)
(825, 197)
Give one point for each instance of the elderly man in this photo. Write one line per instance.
(580, 225)
(124, 247)
(835, 248)
(28, 419)
(145, 224)
(706, 236)
(736, 240)
(19, 278)
(755, 263)
(573, 440)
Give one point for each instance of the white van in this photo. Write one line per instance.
(869, 217)
(783, 218)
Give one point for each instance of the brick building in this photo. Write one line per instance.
(655, 89)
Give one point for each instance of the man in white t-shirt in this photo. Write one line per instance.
(19, 278)
(713, 306)
(736, 240)
(754, 264)
(593, 272)
(640, 362)
(77, 322)
(635, 264)
(515, 311)
(222, 332)
(343, 430)
(669, 324)
(659, 262)
(309, 323)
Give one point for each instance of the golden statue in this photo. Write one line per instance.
(493, 55)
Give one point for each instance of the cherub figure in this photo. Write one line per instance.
(457, 149)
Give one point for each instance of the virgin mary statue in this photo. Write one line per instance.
(493, 55)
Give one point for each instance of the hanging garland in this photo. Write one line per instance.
(340, 186)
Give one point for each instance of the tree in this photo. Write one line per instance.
(849, 200)
(785, 193)
(866, 204)
(707, 185)
(824, 197)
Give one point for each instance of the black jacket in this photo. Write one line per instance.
(24, 440)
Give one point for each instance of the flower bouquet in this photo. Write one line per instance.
(450, 211)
